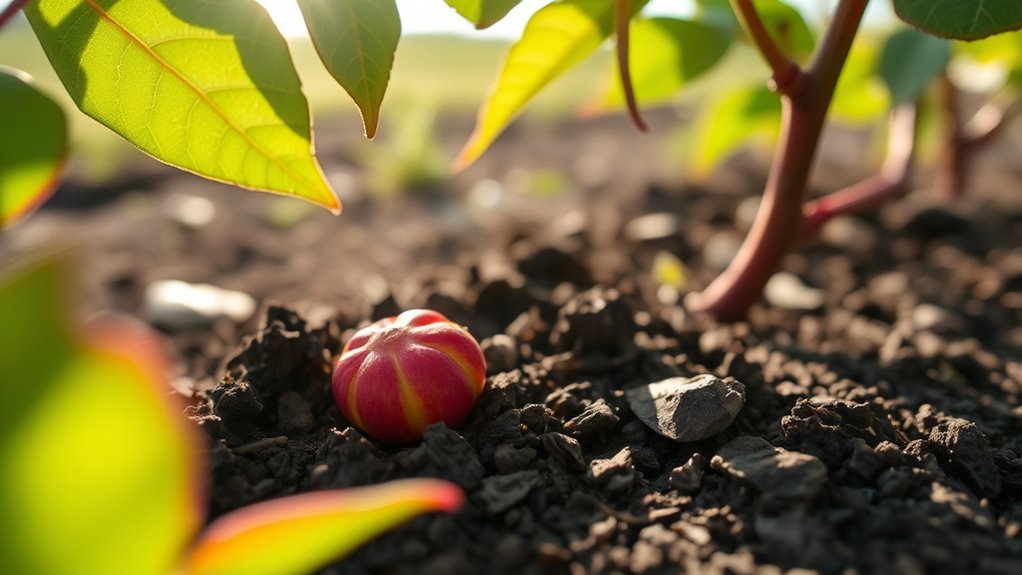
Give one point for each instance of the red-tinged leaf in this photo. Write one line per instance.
(33, 146)
(98, 472)
(301, 533)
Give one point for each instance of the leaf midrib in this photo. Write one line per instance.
(199, 93)
(360, 56)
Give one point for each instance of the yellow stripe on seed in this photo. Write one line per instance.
(411, 405)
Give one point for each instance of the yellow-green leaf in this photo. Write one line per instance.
(208, 87)
(784, 23)
(861, 95)
(742, 117)
(356, 39)
(97, 469)
(483, 13)
(33, 146)
(557, 37)
(666, 54)
(301, 533)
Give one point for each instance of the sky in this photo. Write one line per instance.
(435, 17)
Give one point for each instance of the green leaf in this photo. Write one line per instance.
(910, 60)
(558, 36)
(734, 121)
(961, 19)
(666, 54)
(356, 39)
(483, 13)
(208, 87)
(302, 533)
(97, 469)
(33, 146)
(784, 23)
(861, 96)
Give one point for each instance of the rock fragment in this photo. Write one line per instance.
(177, 305)
(781, 475)
(961, 443)
(615, 475)
(564, 450)
(688, 409)
(596, 418)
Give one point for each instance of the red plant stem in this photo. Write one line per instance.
(622, 22)
(787, 78)
(779, 220)
(955, 156)
(11, 9)
(890, 183)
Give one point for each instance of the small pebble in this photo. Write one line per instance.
(787, 291)
(688, 409)
(177, 305)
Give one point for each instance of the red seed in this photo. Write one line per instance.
(401, 374)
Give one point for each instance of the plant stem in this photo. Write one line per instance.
(954, 153)
(890, 183)
(622, 22)
(779, 220)
(11, 9)
(787, 78)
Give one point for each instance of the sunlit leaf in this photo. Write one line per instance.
(208, 87)
(33, 146)
(861, 96)
(557, 37)
(745, 116)
(668, 270)
(356, 39)
(301, 533)
(666, 54)
(97, 471)
(483, 13)
(961, 19)
(1005, 48)
(910, 60)
(784, 23)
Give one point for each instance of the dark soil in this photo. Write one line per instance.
(882, 431)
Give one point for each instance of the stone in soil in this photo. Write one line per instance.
(688, 409)
(782, 476)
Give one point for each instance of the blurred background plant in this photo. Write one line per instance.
(101, 473)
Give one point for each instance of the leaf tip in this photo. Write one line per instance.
(446, 497)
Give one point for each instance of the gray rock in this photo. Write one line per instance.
(564, 450)
(615, 475)
(175, 305)
(502, 492)
(652, 227)
(688, 409)
(779, 474)
(787, 291)
(688, 478)
(596, 418)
